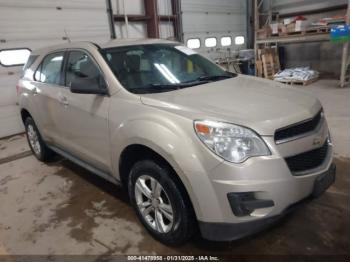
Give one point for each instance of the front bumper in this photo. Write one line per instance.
(234, 231)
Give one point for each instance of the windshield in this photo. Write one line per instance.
(161, 68)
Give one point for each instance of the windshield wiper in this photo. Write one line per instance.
(158, 88)
(206, 79)
(213, 78)
(152, 88)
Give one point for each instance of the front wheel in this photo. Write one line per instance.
(160, 204)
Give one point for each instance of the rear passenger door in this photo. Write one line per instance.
(46, 87)
(86, 125)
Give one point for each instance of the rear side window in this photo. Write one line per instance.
(50, 69)
(80, 66)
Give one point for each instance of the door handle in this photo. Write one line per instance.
(34, 91)
(63, 100)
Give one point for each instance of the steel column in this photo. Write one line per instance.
(345, 56)
(110, 19)
(151, 11)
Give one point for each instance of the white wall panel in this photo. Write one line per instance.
(164, 7)
(134, 7)
(166, 30)
(208, 18)
(135, 30)
(38, 23)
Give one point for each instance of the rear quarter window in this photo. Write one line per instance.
(30, 61)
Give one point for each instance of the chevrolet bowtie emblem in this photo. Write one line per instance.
(317, 141)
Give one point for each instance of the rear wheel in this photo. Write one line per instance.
(36, 143)
(160, 204)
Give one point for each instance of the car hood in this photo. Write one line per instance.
(260, 104)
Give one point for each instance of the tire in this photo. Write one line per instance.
(170, 232)
(36, 143)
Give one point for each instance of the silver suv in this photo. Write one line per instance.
(195, 146)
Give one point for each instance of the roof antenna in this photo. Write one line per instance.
(66, 37)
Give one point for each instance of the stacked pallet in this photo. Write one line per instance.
(267, 63)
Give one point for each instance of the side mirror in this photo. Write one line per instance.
(95, 86)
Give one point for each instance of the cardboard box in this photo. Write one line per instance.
(290, 28)
(274, 28)
(288, 21)
(301, 25)
(282, 29)
(264, 32)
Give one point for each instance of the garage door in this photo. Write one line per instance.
(37, 23)
(214, 26)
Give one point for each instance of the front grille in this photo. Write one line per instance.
(308, 160)
(298, 129)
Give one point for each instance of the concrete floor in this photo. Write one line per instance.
(60, 208)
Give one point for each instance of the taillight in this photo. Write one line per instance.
(17, 89)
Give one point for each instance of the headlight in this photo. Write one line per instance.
(231, 142)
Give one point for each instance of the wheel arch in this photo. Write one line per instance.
(25, 114)
(137, 152)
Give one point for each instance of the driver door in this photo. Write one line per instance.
(85, 116)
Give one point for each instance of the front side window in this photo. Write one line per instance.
(81, 68)
(161, 68)
(49, 70)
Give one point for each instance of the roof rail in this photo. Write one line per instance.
(98, 47)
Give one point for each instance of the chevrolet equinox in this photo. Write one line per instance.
(195, 146)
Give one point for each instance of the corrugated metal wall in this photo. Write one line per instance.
(38, 23)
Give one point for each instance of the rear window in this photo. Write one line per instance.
(14, 57)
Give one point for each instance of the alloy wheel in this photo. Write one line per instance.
(33, 138)
(154, 204)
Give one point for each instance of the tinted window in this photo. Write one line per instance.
(140, 67)
(80, 66)
(50, 69)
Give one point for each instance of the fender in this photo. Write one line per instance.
(178, 146)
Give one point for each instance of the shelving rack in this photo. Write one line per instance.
(266, 17)
(344, 74)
